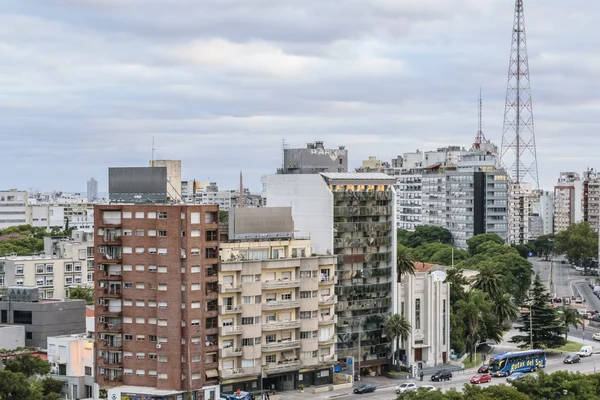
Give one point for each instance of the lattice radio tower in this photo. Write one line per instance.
(517, 152)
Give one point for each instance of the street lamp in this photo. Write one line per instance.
(489, 342)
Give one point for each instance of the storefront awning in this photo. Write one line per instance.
(212, 373)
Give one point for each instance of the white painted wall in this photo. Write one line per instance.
(312, 206)
(77, 352)
(12, 336)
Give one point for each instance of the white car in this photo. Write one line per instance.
(406, 387)
(596, 336)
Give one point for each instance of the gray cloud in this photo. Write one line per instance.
(86, 84)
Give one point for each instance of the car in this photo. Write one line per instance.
(572, 359)
(441, 375)
(517, 376)
(484, 369)
(585, 351)
(481, 378)
(406, 387)
(596, 336)
(578, 300)
(365, 389)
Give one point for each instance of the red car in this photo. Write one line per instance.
(484, 369)
(481, 378)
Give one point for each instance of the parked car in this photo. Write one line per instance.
(572, 359)
(365, 389)
(596, 336)
(484, 369)
(578, 300)
(481, 378)
(585, 351)
(517, 376)
(406, 387)
(441, 375)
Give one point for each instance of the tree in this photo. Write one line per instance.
(28, 365)
(404, 262)
(562, 385)
(505, 310)
(579, 242)
(489, 280)
(424, 234)
(13, 386)
(471, 311)
(547, 329)
(82, 293)
(543, 246)
(53, 396)
(523, 249)
(476, 240)
(396, 327)
(570, 317)
(223, 216)
(52, 385)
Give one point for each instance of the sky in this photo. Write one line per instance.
(218, 84)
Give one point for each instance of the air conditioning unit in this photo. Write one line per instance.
(158, 346)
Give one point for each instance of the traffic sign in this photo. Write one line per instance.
(350, 361)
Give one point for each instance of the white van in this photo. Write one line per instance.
(585, 351)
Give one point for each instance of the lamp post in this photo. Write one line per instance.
(490, 342)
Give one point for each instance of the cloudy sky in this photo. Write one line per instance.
(86, 84)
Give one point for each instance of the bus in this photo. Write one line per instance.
(505, 364)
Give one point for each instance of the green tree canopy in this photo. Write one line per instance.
(82, 293)
(424, 234)
(13, 385)
(543, 246)
(546, 329)
(28, 365)
(31, 243)
(475, 241)
(404, 262)
(397, 328)
(562, 385)
(578, 242)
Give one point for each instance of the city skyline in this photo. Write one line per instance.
(220, 88)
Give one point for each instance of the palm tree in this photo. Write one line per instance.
(505, 309)
(570, 316)
(489, 280)
(396, 327)
(404, 262)
(472, 311)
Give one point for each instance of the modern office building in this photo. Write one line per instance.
(72, 361)
(41, 318)
(350, 215)
(276, 305)
(313, 159)
(13, 208)
(92, 190)
(567, 201)
(467, 198)
(155, 330)
(591, 199)
(424, 300)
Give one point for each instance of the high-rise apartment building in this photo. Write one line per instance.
(155, 327)
(567, 201)
(469, 197)
(13, 208)
(591, 199)
(313, 159)
(277, 305)
(92, 190)
(350, 215)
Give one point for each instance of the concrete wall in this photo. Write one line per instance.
(12, 337)
(312, 206)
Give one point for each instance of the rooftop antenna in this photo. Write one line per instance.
(152, 162)
(479, 138)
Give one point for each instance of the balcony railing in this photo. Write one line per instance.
(232, 352)
(328, 359)
(112, 292)
(327, 340)
(239, 372)
(112, 238)
(328, 319)
(281, 284)
(230, 330)
(281, 345)
(280, 304)
(281, 367)
(112, 275)
(230, 288)
(279, 325)
(231, 309)
(328, 280)
(328, 300)
(111, 327)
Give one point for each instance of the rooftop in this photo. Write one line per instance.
(423, 267)
(357, 176)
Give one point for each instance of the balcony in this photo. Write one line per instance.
(230, 267)
(281, 345)
(328, 280)
(281, 284)
(328, 300)
(111, 276)
(109, 380)
(327, 340)
(230, 330)
(111, 258)
(330, 359)
(113, 239)
(108, 344)
(112, 292)
(279, 325)
(230, 309)
(280, 304)
(230, 288)
(112, 311)
(231, 352)
(282, 367)
(111, 327)
(109, 362)
(239, 372)
(328, 319)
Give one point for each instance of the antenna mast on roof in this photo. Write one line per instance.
(152, 162)
(480, 137)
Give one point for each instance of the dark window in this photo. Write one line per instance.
(62, 369)
(22, 317)
(4, 317)
(211, 236)
(211, 323)
(29, 335)
(211, 253)
(211, 287)
(88, 371)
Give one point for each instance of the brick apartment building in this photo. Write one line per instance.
(156, 297)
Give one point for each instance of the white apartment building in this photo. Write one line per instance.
(46, 216)
(72, 360)
(13, 208)
(567, 201)
(276, 313)
(67, 263)
(58, 214)
(424, 300)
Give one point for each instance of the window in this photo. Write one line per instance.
(127, 214)
(211, 322)
(195, 286)
(139, 320)
(22, 317)
(139, 268)
(152, 374)
(127, 354)
(127, 232)
(196, 375)
(140, 372)
(305, 335)
(140, 338)
(162, 358)
(305, 294)
(139, 232)
(247, 299)
(196, 358)
(151, 232)
(128, 336)
(151, 268)
(128, 285)
(286, 296)
(88, 371)
(127, 268)
(417, 313)
(127, 371)
(140, 356)
(152, 356)
(40, 281)
(151, 303)
(19, 270)
(39, 268)
(151, 250)
(195, 269)
(305, 315)
(195, 304)
(162, 269)
(139, 285)
(152, 321)
(139, 214)
(195, 233)
(127, 250)
(162, 304)
(162, 322)
(195, 322)
(162, 233)
(271, 359)
(152, 338)
(50, 268)
(444, 322)
(162, 251)
(195, 217)
(162, 215)
(77, 267)
(162, 286)
(247, 320)
(163, 376)
(195, 252)
(127, 303)
(68, 280)
(139, 250)
(305, 274)
(127, 320)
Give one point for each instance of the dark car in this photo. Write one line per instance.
(515, 376)
(484, 369)
(365, 389)
(572, 359)
(441, 375)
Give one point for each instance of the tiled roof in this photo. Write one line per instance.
(423, 267)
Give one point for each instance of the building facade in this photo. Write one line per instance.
(13, 208)
(567, 201)
(72, 361)
(92, 190)
(12, 337)
(424, 300)
(155, 327)
(591, 199)
(173, 177)
(350, 215)
(313, 159)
